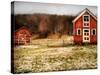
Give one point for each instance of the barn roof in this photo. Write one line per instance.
(23, 27)
(82, 12)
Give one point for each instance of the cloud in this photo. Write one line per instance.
(60, 9)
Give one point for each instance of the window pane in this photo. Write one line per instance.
(93, 32)
(86, 30)
(87, 33)
(78, 31)
(87, 38)
(84, 33)
(86, 24)
(86, 18)
(84, 38)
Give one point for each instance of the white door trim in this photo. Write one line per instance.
(87, 36)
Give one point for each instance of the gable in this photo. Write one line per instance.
(84, 12)
(23, 30)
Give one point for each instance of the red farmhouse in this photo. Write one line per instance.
(85, 27)
(22, 36)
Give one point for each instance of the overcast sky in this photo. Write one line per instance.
(59, 9)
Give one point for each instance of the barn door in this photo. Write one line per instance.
(86, 35)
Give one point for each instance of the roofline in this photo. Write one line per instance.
(21, 28)
(85, 10)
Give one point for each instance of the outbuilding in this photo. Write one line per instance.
(22, 36)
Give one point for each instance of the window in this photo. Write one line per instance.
(93, 32)
(86, 30)
(86, 24)
(86, 18)
(78, 31)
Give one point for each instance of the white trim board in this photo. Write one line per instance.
(86, 36)
(86, 22)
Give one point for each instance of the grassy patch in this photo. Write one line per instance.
(54, 58)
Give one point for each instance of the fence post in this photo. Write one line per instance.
(63, 42)
(47, 43)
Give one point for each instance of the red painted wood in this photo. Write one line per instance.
(93, 38)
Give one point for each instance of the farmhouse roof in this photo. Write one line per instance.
(21, 28)
(82, 12)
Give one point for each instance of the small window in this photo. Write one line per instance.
(86, 18)
(86, 24)
(86, 30)
(93, 31)
(78, 31)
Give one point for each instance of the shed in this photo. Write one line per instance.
(22, 36)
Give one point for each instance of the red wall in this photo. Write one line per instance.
(93, 38)
(78, 24)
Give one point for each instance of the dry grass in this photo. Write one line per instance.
(63, 41)
(40, 57)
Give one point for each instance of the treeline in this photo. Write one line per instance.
(45, 24)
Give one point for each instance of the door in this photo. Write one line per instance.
(21, 38)
(86, 35)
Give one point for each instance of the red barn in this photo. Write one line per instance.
(85, 27)
(22, 36)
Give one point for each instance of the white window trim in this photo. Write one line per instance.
(92, 31)
(86, 22)
(77, 31)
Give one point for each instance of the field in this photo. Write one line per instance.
(44, 55)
